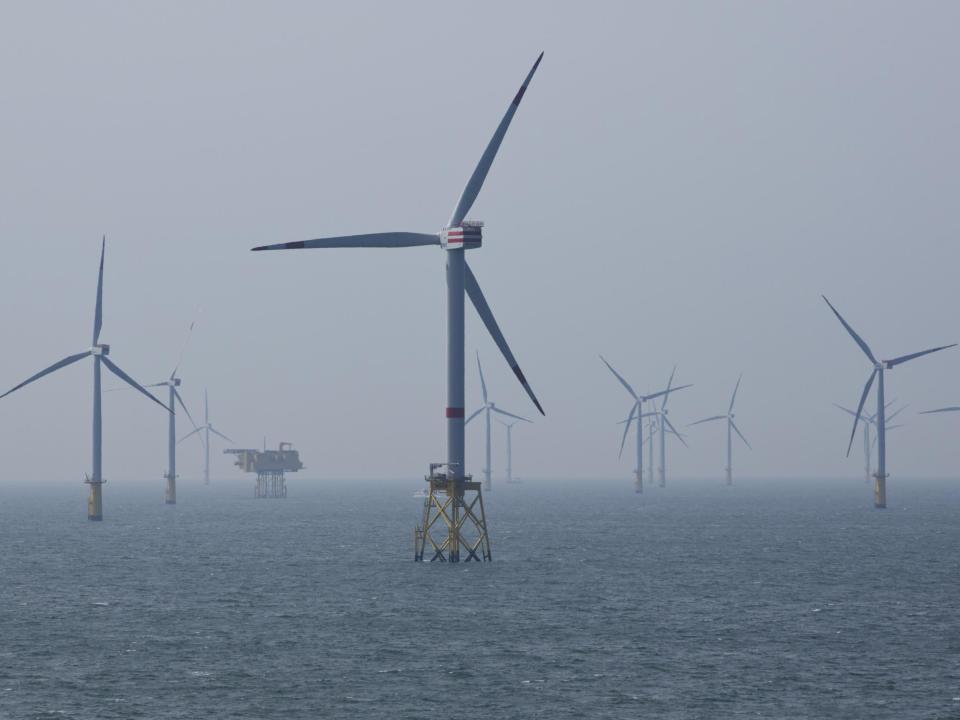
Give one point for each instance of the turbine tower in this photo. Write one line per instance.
(208, 428)
(731, 426)
(447, 505)
(487, 408)
(868, 422)
(100, 353)
(879, 366)
(637, 410)
(663, 420)
(509, 427)
(172, 383)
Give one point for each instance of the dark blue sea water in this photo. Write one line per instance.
(786, 599)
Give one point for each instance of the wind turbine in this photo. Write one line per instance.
(487, 408)
(172, 383)
(637, 410)
(880, 487)
(509, 427)
(208, 428)
(663, 420)
(100, 353)
(731, 425)
(458, 236)
(868, 421)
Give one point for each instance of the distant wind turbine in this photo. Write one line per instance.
(487, 408)
(509, 427)
(879, 366)
(868, 443)
(208, 428)
(99, 352)
(637, 411)
(662, 419)
(731, 426)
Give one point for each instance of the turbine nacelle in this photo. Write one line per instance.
(468, 235)
(100, 350)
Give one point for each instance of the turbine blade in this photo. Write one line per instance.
(849, 412)
(734, 396)
(663, 405)
(182, 351)
(666, 392)
(220, 434)
(895, 426)
(619, 377)
(483, 383)
(475, 413)
(515, 417)
(483, 310)
(672, 429)
(853, 334)
(626, 429)
(734, 426)
(891, 417)
(98, 312)
(369, 240)
(176, 394)
(863, 399)
(709, 419)
(472, 189)
(112, 367)
(56, 366)
(951, 408)
(911, 356)
(189, 434)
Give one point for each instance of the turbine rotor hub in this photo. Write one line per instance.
(100, 350)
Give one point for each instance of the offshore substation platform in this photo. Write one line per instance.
(270, 466)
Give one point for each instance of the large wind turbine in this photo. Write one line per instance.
(636, 410)
(487, 408)
(880, 487)
(663, 420)
(731, 425)
(172, 383)
(208, 428)
(99, 352)
(509, 427)
(458, 236)
(868, 421)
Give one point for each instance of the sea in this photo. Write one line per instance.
(768, 599)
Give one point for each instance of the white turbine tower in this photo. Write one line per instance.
(459, 516)
(207, 428)
(487, 408)
(879, 366)
(636, 410)
(99, 352)
(172, 383)
(509, 427)
(731, 426)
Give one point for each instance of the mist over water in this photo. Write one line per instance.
(775, 599)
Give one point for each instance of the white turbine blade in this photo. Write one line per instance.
(911, 356)
(672, 429)
(895, 426)
(709, 419)
(897, 412)
(370, 240)
(220, 434)
(626, 429)
(56, 366)
(98, 312)
(951, 408)
(734, 426)
(734, 396)
(853, 334)
(849, 412)
(189, 434)
(112, 367)
(483, 310)
(475, 182)
(483, 383)
(182, 351)
(176, 394)
(515, 417)
(475, 413)
(665, 392)
(619, 377)
(863, 399)
(666, 397)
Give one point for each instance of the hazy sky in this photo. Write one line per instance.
(680, 184)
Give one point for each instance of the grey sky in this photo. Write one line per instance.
(680, 184)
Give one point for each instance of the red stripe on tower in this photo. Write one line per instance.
(454, 412)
